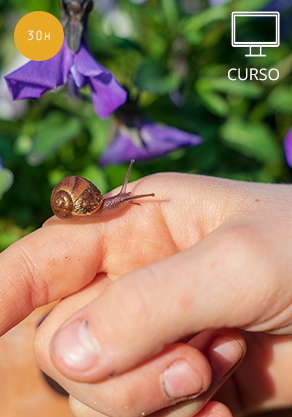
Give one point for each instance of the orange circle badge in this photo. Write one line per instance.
(39, 36)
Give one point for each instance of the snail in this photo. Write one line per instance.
(76, 196)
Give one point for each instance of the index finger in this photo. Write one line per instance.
(46, 265)
(64, 256)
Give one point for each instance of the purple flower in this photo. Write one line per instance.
(36, 77)
(104, 7)
(148, 141)
(214, 3)
(288, 147)
(281, 5)
(273, 5)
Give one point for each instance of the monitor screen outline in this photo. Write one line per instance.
(255, 14)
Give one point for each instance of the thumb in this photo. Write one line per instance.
(207, 286)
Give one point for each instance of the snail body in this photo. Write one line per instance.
(77, 196)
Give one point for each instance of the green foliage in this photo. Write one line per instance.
(176, 63)
(280, 99)
(6, 180)
(151, 77)
(254, 140)
(51, 135)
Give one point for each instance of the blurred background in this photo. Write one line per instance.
(173, 57)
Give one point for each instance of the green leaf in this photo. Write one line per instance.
(170, 12)
(51, 134)
(251, 5)
(224, 85)
(206, 88)
(191, 27)
(280, 99)
(6, 180)
(151, 77)
(23, 145)
(10, 233)
(99, 132)
(96, 175)
(215, 103)
(254, 140)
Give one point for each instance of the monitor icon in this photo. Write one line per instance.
(273, 18)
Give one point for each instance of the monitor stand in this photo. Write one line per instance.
(251, 54)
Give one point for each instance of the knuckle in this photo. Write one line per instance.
(250, 264)
(246, 243)
(36, 288)
(242, 236)
(248, 246)
(131, 302)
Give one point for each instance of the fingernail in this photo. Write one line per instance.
(180, 380)
(224, 354)
(75, 346)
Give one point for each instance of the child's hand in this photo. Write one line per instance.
(144, 389)
(230, 267)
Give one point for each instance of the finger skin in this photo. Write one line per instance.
(42, 267)
(140, 390)
(132, 389)
(221, 372)
(212, 409)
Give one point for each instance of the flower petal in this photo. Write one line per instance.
(214, 3)
(107, 94)
(120, 150)
(86, 64)
(288, 147)
(164, 139)
(37, 77)
(155, 141)
(78, 78)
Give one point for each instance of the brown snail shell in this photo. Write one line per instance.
(75, 196)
